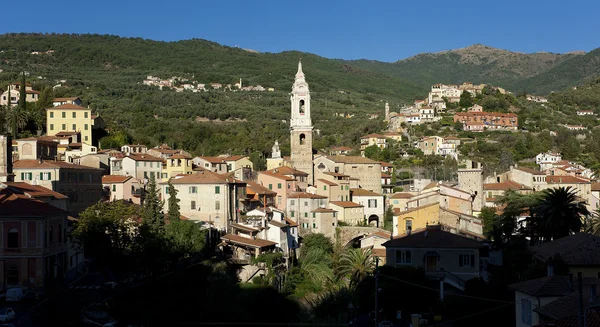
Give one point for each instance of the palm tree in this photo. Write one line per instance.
(16, 118)
(593, 224)
(315, 264)
(560, 213)
(355, 264)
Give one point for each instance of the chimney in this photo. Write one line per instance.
(550, 270)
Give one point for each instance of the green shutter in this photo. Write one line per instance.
(22, 176)
(41, 176)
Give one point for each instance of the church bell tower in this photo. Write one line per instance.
(301, 135)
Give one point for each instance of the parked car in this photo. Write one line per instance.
(14, 294)
(8, 315)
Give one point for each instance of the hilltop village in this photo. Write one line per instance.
(442, 226)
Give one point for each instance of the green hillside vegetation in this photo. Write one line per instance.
(537, 73)
(107, 71)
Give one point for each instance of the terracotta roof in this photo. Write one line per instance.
(581, 249)
(430, 185)
(433, 238)
(34, 191)
(291, 222)
(352, 160)
(14, 204)
(324, 181)
(233, 158)
(543, 287)
(398, 212)
(32, 92)
(205, 177)
(278, 224)
(595, 186)
(531, 171)
(279, 176)
(401, 195)
(40, 139)
(380, 234)
(346, 204)
(567, 306)
(304, 195)
(285, 170)
(363, 192)
(241, 240)
(214, 160)
(112, 179)
(505, 186)
(69, 106)
(566, 179)
(245, 228)
(143, 157)
(324, 210)
(258, 189)
(179, 156)
(494, 114)
(35, 164)
(385, 164)
(66, 133)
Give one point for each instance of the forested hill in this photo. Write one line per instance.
(539, 73)
(107, 71)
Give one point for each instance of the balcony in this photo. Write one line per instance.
(136, 192)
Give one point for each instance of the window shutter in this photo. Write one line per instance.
(22, 176)
(41, 176)
(472, 260)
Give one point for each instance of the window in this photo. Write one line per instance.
(302, 139)
(279, 199)
(306, 215)
(145, 164)
(85, 127)
(45, 176)
(64, 127)
(279, 186)
(12, 275)
(301, 107)
(114, 188)
(407, 257)
(399, 256)
(306, 203)
(26, 176)
(193, 189)
(217, 205)
(74, 127)
(395, 201)
(314, 225)
(217, 190)
(193, 205)
(324, 187)
(13, 239)
(289, 186)
(292, 213)
(408, 225)
(526, 311)
(74, 114)
(64, 114)
(137, 163)
(314, 215)
(466, 260)
(145, 174)
(167, 190)
(373, 203)
(51, 114)
(292, 202)
(85, 115)
(270, 186)
(51, 127)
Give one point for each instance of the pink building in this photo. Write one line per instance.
(116, 187)
(279, 183)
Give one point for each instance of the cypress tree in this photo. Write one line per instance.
(174, 214)
(152, 215)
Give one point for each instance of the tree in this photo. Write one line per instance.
(388, 222)
(152, 216)
(355, 265)
(466, 101)
(317, 241)
(593, 224)
(559, 213)
(488, 215)
(373, 152)
(173, 203)
(258, 161)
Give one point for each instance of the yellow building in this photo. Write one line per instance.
(177, 164)
(417, 218)
(70, 118)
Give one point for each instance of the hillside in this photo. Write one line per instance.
(107, 71)
(538, 73)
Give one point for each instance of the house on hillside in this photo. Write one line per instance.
(444, 256)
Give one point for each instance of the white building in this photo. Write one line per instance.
(373, 205)
(547, 160)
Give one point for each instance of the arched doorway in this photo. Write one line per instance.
(373, 220)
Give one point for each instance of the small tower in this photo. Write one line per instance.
(301, 128)
(470, 179)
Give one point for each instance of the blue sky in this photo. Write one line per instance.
(379, 30)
